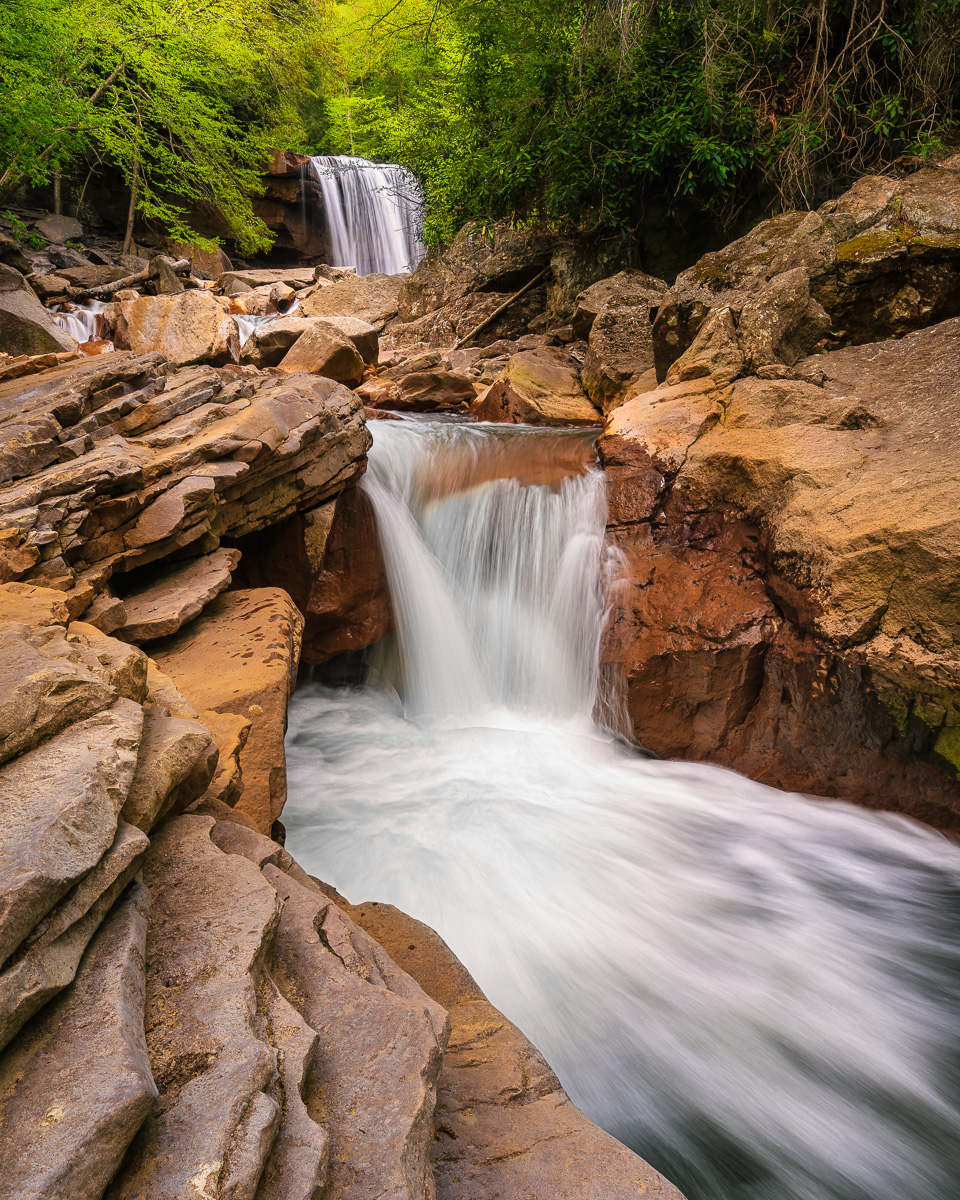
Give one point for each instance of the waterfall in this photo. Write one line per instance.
(81, 320)
(373, 214)
(757, 991)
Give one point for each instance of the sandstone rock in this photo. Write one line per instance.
(620, 352)
(164, 278)
(13, 256)
(93, 276)
(379, 1036)
(329, 560)
(539, 387)
(211, 264)
(324, 350)
(628, 289)
(212, 917)
(833, 506)
(59, 228)
(189, 328)
(714, 351)
(230, 734)
(32, 605)
(504, 1125)
(296, 277)
(47, 960)
(60, 804)
(176, 594)
(44, 687)
(107, 613)
(369, 298)
(76, 1088)
(475, 262)
(25, 325)
(429, 391)
(268, 343)
(170, 748)
(240, 656)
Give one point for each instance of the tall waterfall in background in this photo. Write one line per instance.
(756, 991)
(373, 212)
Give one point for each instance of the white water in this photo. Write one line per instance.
(246, 324)
(82, 322)
(373, 214)
(757, 991)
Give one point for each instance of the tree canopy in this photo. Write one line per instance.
(187, 98)
(585, 111)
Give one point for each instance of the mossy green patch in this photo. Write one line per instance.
(865, 245)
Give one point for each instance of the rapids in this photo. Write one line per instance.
(758, 992)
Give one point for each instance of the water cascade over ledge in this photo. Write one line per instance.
(373, 214)
(756, 991)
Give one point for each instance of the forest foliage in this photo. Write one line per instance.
(185, 99)
(585, 113)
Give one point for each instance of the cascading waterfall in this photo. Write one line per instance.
(373, 214)
(81, 321)
(756, 991)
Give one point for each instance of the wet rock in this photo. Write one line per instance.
(212, 917)
(428, 391)
(25, 325)
(47, 960)
(188, 328)
(61, 804)
(77, 1086)
(175, 595)
(324, 350)
(295, 277)
(539, 387)
(240, 656)
(628, 289)
(504, 1125)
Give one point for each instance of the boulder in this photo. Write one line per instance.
(175, 594)
(620, 352)
(324, 350)
(539, 387)
(269, 343)
(628, 289)
(427, 391)
(295, 277)
(875, 263)
(240, 656)
(12, 256)
(77, 1087)
(500, 261)
(170, 750)
(25, 325)
(211, 264)
(59, 229)
(93, 276)
(187, 328)
(368, 298)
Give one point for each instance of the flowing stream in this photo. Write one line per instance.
(758, 992)
(373, 214)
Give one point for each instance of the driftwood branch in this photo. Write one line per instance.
(180, 266)
(497, 311)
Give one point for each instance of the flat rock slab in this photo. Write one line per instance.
(59, 808)
(240, 656)
(295, 277)
(176, 595)
(370, 298)
(77, 1085)
(170, 749)
(212, 917)
(505, 1127)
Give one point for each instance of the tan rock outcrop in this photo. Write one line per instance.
(190, 327)
(324, 350)
(175, 594)
(26, 327)
(269, 343)
(240, 656)
(539, 387)
(792, 548)
(368, 298)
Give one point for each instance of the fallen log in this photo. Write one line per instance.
(180, 266)
(497, 311)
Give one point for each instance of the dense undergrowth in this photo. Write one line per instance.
(584, 113)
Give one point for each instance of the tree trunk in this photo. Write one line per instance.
(132, 211)
(57, 195)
